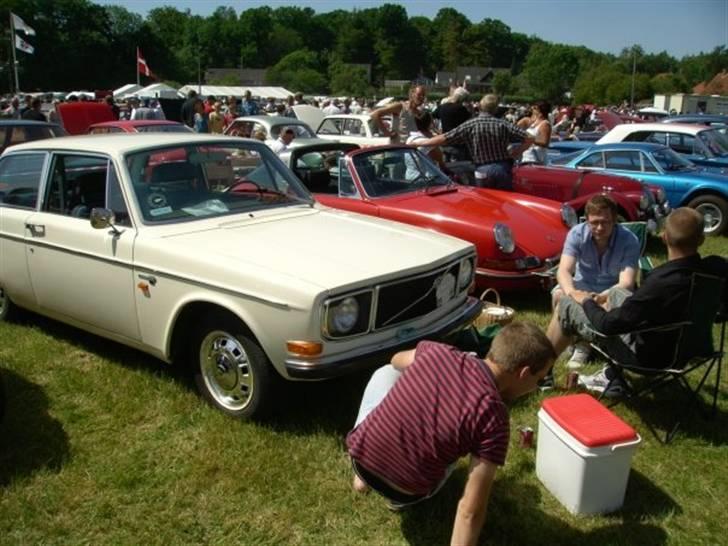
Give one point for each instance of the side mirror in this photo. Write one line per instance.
(103, 218)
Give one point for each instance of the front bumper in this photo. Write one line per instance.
(380, 354)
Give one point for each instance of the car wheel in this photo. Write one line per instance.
(7, 308)
(230, 369)
(715, 211)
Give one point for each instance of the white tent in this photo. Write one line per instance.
(237, 91)
(157, 91)
(128, 89)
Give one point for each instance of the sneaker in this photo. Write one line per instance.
(597, 382)
(618, 388)
(579, 357)
(547, 383)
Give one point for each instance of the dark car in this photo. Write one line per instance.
(15, 131)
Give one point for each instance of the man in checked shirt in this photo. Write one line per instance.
(487, 139)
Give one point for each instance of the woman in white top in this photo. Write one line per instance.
(537, 126)
(423, 124)
(403, 115)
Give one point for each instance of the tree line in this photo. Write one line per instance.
(79, 44)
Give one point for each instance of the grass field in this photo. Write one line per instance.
(102, 444)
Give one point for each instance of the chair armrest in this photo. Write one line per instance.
(661, 328)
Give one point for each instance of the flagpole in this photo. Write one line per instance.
(12, 47)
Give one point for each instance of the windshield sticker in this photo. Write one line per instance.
(211, 206)
(160, 211)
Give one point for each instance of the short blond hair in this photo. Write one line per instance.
(489, 103)
(684, 229)
(521, 344)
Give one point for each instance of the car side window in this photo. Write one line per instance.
(347, 188)
(353, 127)
(684, 144)
(647, 165)
(330, 127)
(592, 161)
(623, 160)
(20, 178)
(79, 183)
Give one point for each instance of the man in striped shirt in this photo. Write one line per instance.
(487, 139)
(435, 404)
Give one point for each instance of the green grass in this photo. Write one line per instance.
(102, 444)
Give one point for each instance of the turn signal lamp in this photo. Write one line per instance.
(304, 348)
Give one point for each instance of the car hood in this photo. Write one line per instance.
(471, 213)
(319, 247)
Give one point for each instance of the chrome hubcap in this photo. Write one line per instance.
(712, 216)
(226, 370)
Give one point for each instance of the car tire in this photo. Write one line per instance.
(715, 211)
(8, 309)
(230, 369)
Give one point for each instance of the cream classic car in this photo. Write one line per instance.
(209, 251)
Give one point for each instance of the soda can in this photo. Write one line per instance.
(572, 381)
(526, 437)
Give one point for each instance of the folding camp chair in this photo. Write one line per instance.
(641, 230)
(695, 349)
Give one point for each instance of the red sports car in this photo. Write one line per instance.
(517, 236)
(636, 201)
(139, 126)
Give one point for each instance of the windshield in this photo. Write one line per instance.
(715, 142)
(670, 160)
(182, 183)
(397, 171)
(164, 128)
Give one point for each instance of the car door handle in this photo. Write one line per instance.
(36, 230)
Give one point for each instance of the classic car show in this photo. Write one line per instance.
(363, 273)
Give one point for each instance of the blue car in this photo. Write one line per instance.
(685, 183)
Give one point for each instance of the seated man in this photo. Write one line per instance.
(661, 299)
(435, 404)
(598, 254)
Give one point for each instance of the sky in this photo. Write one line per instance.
(680, 27)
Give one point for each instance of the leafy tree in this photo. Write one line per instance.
(349, 80)
(551, 70)
(669, 83)
(449, 25)
(299, 70)
(502, 83)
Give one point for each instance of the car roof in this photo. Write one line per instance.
(685, 128)
(121, 143)
(272, 120)
(644, 146)
(134, 123)
(696, 118)
(17, 122)
(363, 117)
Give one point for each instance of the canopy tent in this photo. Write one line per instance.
(128, 89)
(157, 91)
(237, 91)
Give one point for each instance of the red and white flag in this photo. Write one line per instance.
(142, 66)
(22, 45)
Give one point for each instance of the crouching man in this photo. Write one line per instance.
(435, 404)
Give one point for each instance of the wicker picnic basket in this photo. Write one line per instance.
(493, 313)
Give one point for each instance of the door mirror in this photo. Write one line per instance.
(103, 218)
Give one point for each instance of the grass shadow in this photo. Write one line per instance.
(30, 438)
(516, 517)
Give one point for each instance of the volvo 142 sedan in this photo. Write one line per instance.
(165, 243)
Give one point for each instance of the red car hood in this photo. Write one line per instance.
(471, 213)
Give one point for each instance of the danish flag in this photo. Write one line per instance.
(142, 66)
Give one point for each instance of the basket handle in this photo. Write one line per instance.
(493, 291)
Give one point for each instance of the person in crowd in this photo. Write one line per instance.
(12, 111)
(187, 113)
(453, 113)
(259, 135)
(115, 110)
(356, 106)
(288, 109)
(598, 255)
(578, 123)
(200, 118)
(298, 98)
(285, 137)
(270, 106)
(209, 104)
(27, 104)
(487, 139)
(331, 107)
(661, 299)
(402, 113)
(423, 122)
(34, 112)
(53, 116)
(231, 111)
(434, 404)
(538, 126)
(249, 107)
(216, 119)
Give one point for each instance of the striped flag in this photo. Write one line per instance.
(22, 45)
(19, 24)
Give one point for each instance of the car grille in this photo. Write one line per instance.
(408, 299)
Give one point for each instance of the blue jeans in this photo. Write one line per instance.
(498, 175)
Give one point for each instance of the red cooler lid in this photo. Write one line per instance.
(590, 423)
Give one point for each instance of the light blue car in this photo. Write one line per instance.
(685, 183)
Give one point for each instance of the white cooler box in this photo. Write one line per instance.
(584, 453)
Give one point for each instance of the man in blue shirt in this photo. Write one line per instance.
(598, 254)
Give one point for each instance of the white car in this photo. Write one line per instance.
(352, 128)
(270, 127)
(208, 251)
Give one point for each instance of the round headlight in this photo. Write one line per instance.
(343, 316)
(504, 238)
(465, 276)
(569, 216)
